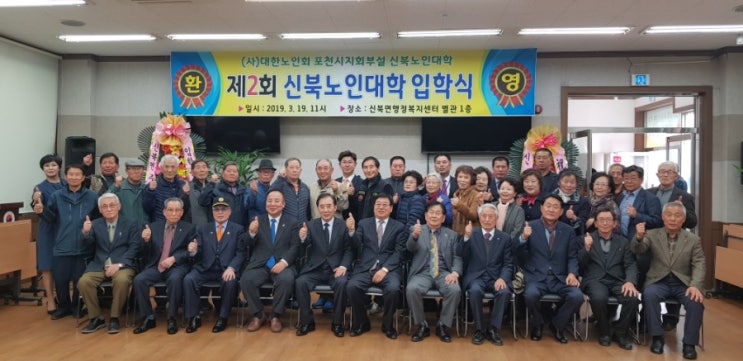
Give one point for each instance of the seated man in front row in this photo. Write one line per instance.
(379, 242)
(165, 250)
(436, 265)
(487, 253)
(676, 271)
(609, 269)
(218, 252)
(549, 249)
(328, 260)
(116, 242)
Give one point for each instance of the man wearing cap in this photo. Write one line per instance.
(273, 240)
(218, 253)
(255, 200)
(130, 190)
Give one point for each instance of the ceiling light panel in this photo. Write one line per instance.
(448, 33)
(620, 30)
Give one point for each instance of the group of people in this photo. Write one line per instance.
(462, 233)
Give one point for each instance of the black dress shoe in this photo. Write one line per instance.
(690, 352)
(443, 333)
(61, 313)
(172, 326)
(536, 333)
(559, 335)
(146, 325)
(605, 340)
(657, 345)
(359, 331)
(94, 325)
(113, 325)
(391, 333)
(494, 336)
(193, 325)
(422, 332)
(220, 325)
(623, 342)
(338, 330)
(478, 338)
(305, 329)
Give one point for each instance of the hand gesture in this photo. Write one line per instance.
(351, 223)
(186, 188)
(454, 201)
(119, 181)
(37, 196)
(193, 246)
(480, 198)
(488, 196)
(417, 229)
(588, 242)
(153, 184)
(253, 186)
(334, 186)
(640, 228)
(468, 229)
(88, 160)
(680, 200)
(303, 231)
(146, 233)
(253, 227)
(112, 269)
(350, 189)
(631, 211)
(282, 173)
(570, 214)
(87, 225)
(572, 281)
(215, 178)
(526, 233)
(629, 290)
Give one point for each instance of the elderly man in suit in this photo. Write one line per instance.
(379, 242)
(273, 243)
(676, 271)
(326, 243)
(116, 242)
(487, 256)
(165, 250)
(218, 253)
(549, 249)
(437, 265)
(609, 269)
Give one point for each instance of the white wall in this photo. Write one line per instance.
(28, 98)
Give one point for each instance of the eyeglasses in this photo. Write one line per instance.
(601, 184)
(666, 172)
(107, 206)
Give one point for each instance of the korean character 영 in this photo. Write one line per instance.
(293, 86)
(442, 84)
(312, 85)
(421, 82)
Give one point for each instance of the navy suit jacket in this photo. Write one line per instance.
(688, 201)
(336, 253)
(648, 211)
(123, 249)
(286, 247)
(389, 254)
(151, 251)
(479, 264)
(541, 263)
(230, 250)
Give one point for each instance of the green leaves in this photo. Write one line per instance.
(244, 163)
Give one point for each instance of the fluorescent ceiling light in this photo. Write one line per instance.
(367, 35)
(216, 36)
(301, 1)
(28, 3)
(94, 38)
(619, 30)
(694, 29)
(445, 33)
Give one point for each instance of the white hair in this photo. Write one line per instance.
(108, 195)
(168, 157)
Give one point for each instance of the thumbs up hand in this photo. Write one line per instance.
(588, 242)
(37, 196)
(417, 229)
(193, 246)
(186, 187)
(570, 214)
(214, 178)
(87, 225)
(119, 181)
(303, 231)
(153, 184)
(468, 229)
(640, 228)
(351, 223)
(253, 227)
(146, 233)
(527, 231)
(680, 199)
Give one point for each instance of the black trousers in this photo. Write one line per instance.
(67, 269)
(599, 291)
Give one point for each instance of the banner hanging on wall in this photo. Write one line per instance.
(404, 84)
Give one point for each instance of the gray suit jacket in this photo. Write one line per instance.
(421, 249)
(686, 199)
(618, 265)
(687, 263)
(514, 223)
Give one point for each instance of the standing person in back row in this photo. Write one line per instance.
(296, 193)
(442, 164)
(352, 182)
(371, 188)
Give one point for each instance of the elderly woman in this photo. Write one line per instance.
(510, 215)
(464, 202)
(412, 204)
(483, 179)
(531, 200)
(435, 194)
(50, 165)
(602, 196)
(576, 208)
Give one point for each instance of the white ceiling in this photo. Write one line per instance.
(39, 27)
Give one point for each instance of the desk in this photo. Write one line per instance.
(17, 256)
